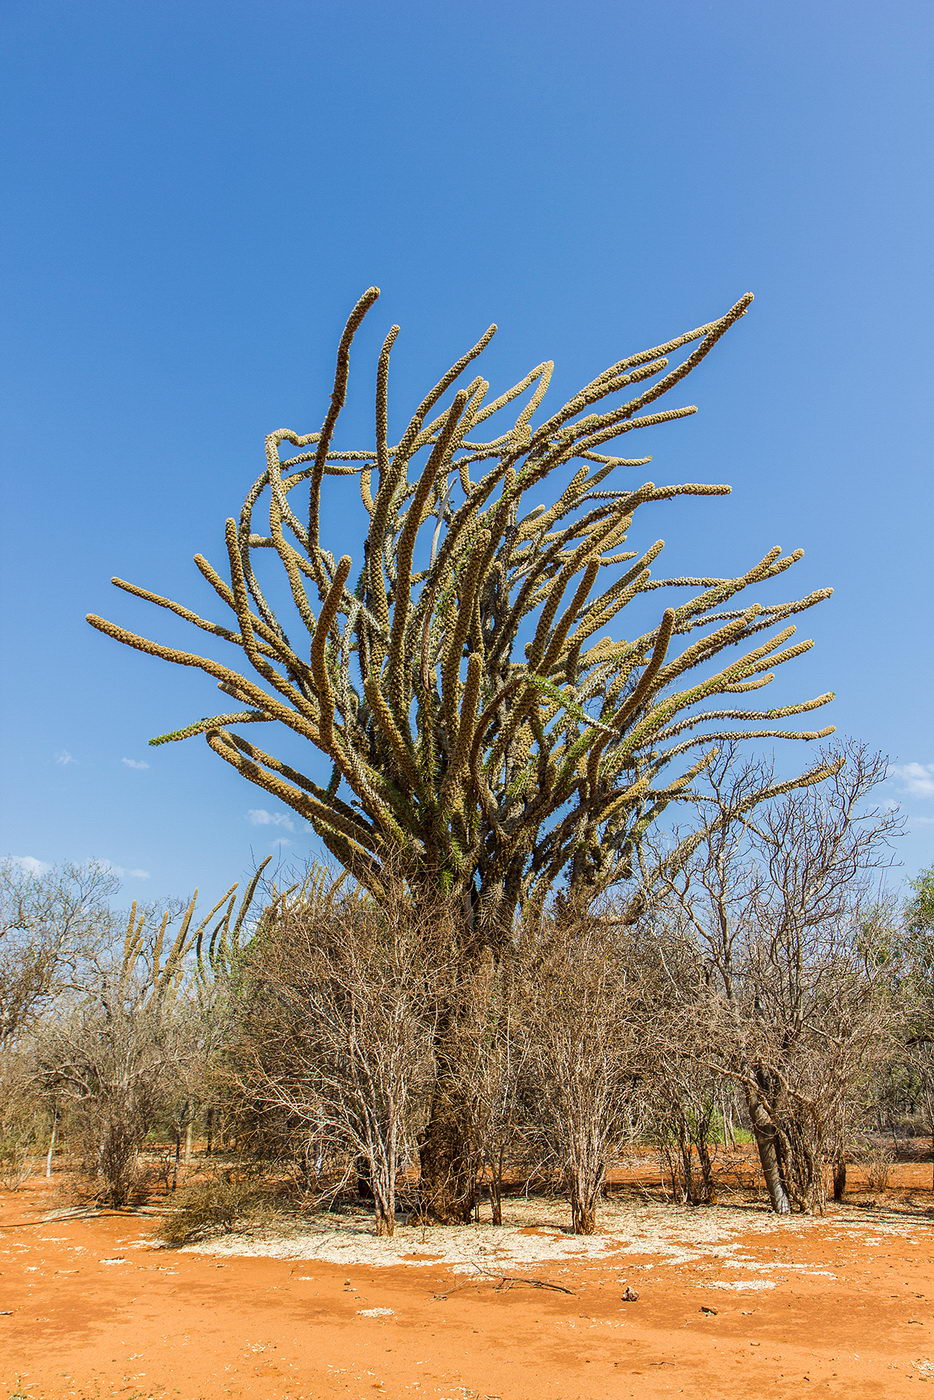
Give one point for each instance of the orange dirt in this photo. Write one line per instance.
(88, 1308)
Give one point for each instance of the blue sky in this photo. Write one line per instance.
(196, 193)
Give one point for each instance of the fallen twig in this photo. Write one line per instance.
(507, 1280)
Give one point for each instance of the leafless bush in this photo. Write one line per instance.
(585, 1010)
(337, 1015)
(684, 1113)
(22, 1119)
(115, 1056)
(500, 1065)
(114, 1059)
(878, 1172)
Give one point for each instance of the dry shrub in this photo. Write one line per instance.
(336, 1016)
(17, 1143)
(22, 1120)
(219, 1205)
(878, 1173)
(588, 1026)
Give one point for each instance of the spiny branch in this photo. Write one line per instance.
(474, 728)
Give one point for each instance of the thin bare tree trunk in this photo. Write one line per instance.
(385, 1221)
(729, 1133)
(52, 1136)
(707, 1173)
(583, 1209)
(383, 1178)
(496, 1190)
(769, 1157)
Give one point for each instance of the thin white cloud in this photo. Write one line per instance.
(133, 763)
(922, 821)
(123, 872)
(282, 841)
(917, 779)
(258, 816)
(64, 758)
(31, 865)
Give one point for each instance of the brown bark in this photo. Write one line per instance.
(583, 1214)
(839, 1179)
(767, 1146)
(448, 1166)
(449, 1161)
(385, 1221)
(707, 1173)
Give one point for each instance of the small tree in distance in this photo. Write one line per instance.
(119, 1047)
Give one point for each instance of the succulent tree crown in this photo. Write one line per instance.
(483, 726)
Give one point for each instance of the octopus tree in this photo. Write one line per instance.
(487, 736)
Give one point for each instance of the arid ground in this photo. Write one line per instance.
(732, 1304)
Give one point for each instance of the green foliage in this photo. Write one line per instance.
(919, 912)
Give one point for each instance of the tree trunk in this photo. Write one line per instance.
(496, 1189)
(385, 1221)
(769, 1157)
(686, 1160)
(583, 1210)
(729, 1133)
(364, 1179)
(707, 1173)
(384, 1199)
(449, 1162)
(448, 1166)
(839, 1179)
(52, 1136)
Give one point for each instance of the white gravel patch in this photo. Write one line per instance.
(535, 1233)
(464, 1248)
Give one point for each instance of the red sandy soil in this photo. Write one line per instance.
(156, 1324)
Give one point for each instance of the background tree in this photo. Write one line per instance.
(118, 1051)
(791, 987)
(49, 922)
(916, 997)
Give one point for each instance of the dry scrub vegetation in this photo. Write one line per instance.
(282, 1057)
